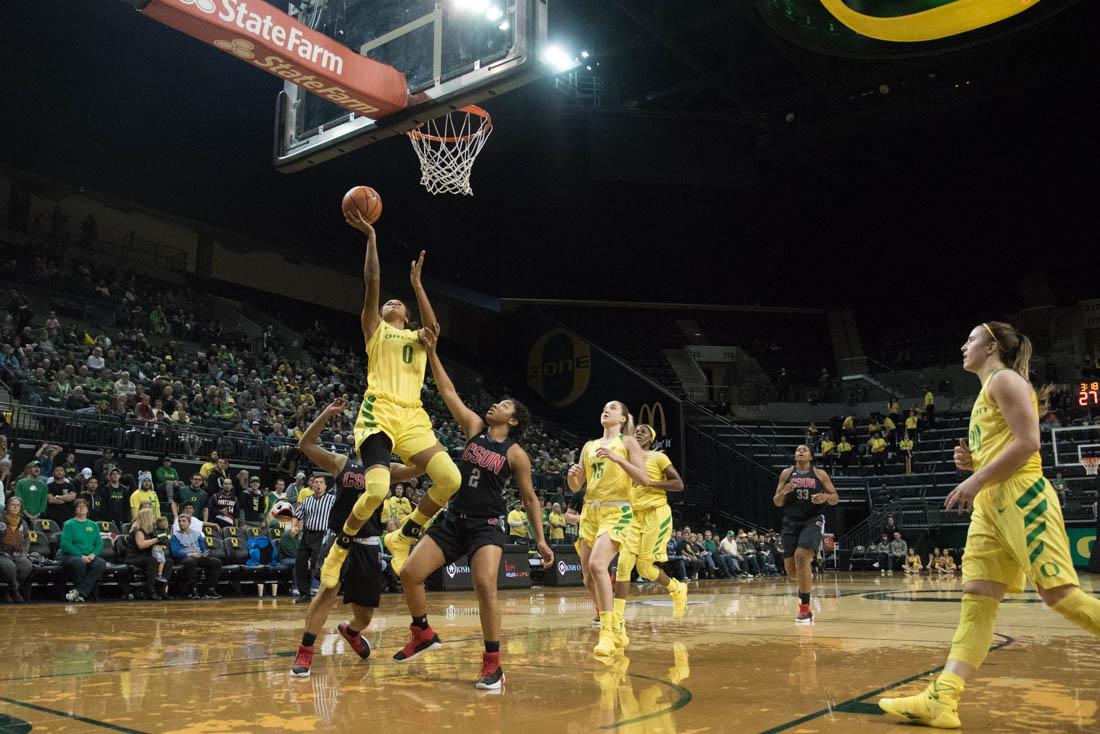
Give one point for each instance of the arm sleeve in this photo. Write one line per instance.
(663, 462)
(67, 547)
(176, 548)
(202, 543)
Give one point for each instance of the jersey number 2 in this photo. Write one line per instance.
(475, 477)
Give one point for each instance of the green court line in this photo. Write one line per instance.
(857, 705)
(67, 715)
(147, 667)
(892, 596)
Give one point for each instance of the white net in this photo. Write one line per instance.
(1091, 464)
(447, 147)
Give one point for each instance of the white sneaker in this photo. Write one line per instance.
(73, 595)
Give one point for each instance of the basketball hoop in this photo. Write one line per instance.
(447, 147)
(1091, 464)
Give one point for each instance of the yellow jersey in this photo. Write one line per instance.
(396, 361)
(913, 562)
(649, 498)
(517, 524)
(607, 481)
(878, 444)
(989, 434)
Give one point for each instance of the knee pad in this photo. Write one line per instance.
(974, 634)
(445, 478)
(377, 484)
(1081, 609)
(627, 561)
(647, 570)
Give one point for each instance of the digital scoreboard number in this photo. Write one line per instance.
(1087, 394)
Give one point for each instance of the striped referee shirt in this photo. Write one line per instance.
(314, 512)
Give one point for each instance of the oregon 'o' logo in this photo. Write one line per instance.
(206, 6)
(559, 367)
(1085, 545)
(942, 21)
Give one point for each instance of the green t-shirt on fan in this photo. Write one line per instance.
(33, 493)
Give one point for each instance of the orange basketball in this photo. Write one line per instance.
(366, 200)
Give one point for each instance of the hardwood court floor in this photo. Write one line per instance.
(736, 662)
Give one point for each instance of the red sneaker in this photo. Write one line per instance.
(358, 643)
(805, 614)
(422, 640)
(492, 675)
(302, 662)
(612, 574)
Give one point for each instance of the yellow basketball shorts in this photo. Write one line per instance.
(1017, 533)
(599, 518)
(409, 429)
(648, 534)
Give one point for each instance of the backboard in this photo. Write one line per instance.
(453, 53)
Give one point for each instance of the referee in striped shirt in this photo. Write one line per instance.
(312, 518)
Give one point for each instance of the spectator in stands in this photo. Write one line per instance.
(878, 452)
(196, 496)
(5, 479)
(747, 549)
(704, 554)
(81, 545)
(15, 567)
(254, 504)
(209, 465)
(224, 503)
(1059, 485)
(299, 488)
(764, 553)
(727, 550)
(102, 466)
(218, 477)
(912, 424)
(882, 555)
(891, 526)
(827, 456)
(899, 549)
(144, 493)
(913, 563)
(844, 452)
(60, 495)
(517, 524)
(142, 539)
(124, 387)
(893, 409)
(686, 549)
(556, 522)
(721, 561)
(930, 407)
(87, 489)
(947, 563)
(906, 447)
(189, 550)
(935, 560)
(32, 491)
(188, 509)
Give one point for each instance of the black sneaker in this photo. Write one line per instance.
(303, 599)
(211, 595)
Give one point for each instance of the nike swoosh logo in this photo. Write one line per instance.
(944, 21)
(1000, 509)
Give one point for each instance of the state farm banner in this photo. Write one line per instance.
(271, 40)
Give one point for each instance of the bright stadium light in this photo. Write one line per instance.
(504, 26)
(479, 6)
(461, 4)
(494, 13)
(557, 58)
(584, 54)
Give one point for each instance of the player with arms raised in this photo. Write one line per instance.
(1016, 529)
(391, 419)
(470, 526)
(801, 491)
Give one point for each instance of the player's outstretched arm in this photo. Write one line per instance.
(469, 421)
(372, 276)
(521, 470)
(427, 315)
(322, 459)
(671, 483)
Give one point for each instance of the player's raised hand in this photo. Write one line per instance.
(355, 219)
(335, 407)
(414, 271)
(964, 460)
(429, 336)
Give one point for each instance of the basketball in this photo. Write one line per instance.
(364, 199)
(282, 510)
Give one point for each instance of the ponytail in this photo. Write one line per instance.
(1016, 350)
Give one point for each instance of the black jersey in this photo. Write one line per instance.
(485, 472)
(797, 507)
(576, 501)
(350, 483)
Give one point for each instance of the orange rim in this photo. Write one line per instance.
(486, 125)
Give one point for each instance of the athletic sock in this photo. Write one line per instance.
(308, 639)
(620, 606)
(492, 646)
(607, 620)
(420, 622)
(1081, 609)
(950, 686)
(804, 598)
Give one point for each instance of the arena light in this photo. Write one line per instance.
(557, 58)
(461, 4)
(494, 13)
(479, 6)
(504, 26)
